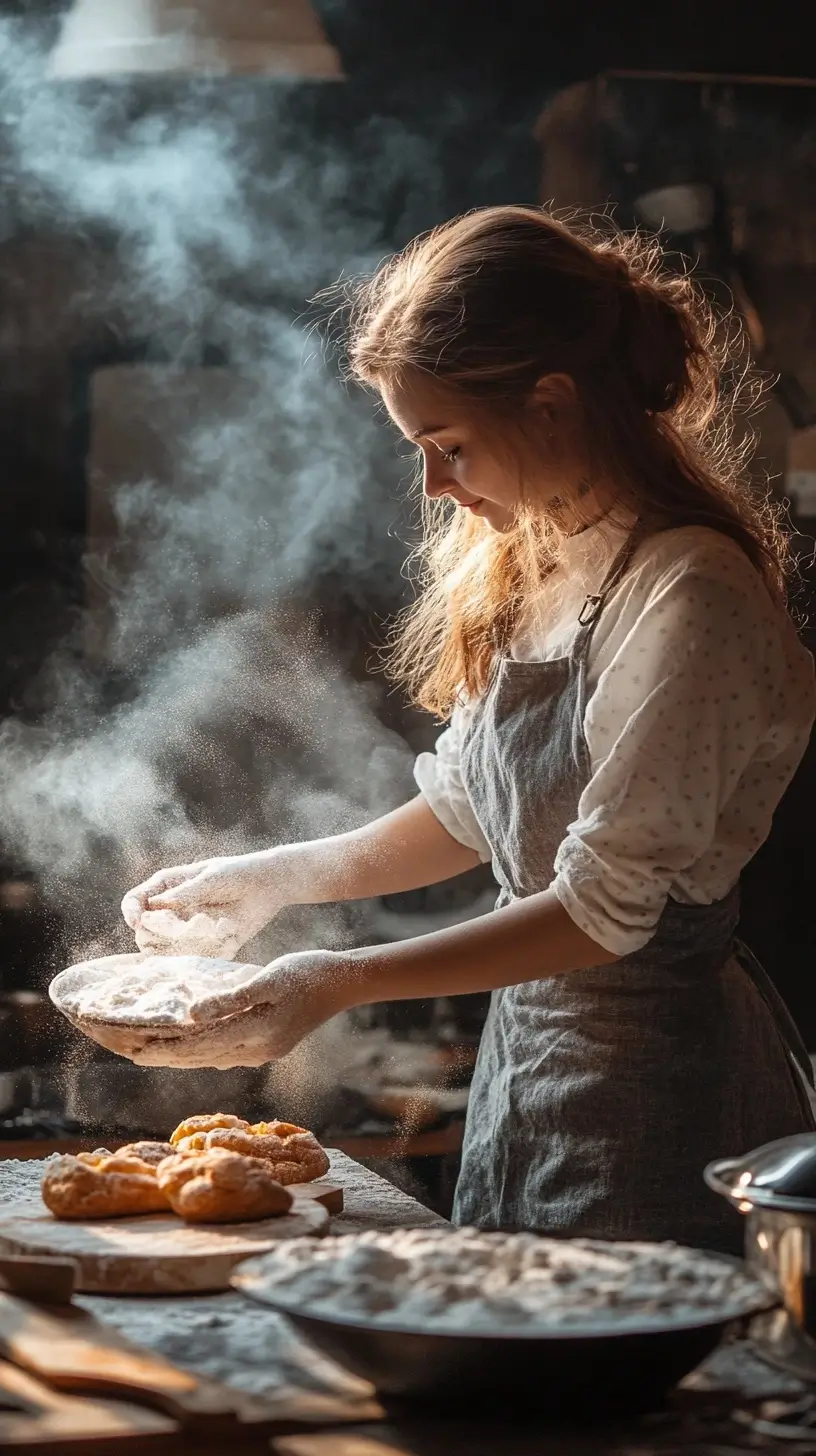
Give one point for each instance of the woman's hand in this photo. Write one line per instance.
(215, 906)
(211, 907)
(301, 991)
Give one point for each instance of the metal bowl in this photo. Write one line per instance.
(597, 1367)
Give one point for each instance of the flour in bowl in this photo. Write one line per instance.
(463, 1280)
(158, 991)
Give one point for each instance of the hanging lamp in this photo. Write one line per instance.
(211, 37)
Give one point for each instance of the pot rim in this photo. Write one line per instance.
(749, 1198)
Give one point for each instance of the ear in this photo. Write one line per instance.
(554, 394)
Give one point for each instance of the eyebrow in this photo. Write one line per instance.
(428, 430)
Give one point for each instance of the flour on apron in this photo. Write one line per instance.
(599, 1095)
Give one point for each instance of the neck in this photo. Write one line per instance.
(580, 506)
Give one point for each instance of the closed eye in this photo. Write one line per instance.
(451, 455)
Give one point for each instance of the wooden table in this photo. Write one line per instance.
(430, 1143)
(253, 1349)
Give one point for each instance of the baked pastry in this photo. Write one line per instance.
(294, 1155)
(103, 1184)
(201, 1123)
(218, 1186)
(149, 1152)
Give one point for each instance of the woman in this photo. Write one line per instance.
(603, 623)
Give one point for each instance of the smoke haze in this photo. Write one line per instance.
(213, 212)
(198, 702)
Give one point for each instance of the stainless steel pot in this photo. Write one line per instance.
(775, 1187)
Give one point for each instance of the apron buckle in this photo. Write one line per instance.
(591, 606)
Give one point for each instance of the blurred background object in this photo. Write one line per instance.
(126, 37)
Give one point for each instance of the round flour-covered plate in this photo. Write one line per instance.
(129, 1002)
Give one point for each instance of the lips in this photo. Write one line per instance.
(465, 505)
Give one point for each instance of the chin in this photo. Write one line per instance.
(498, 519)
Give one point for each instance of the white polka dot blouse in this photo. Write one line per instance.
(699, 704)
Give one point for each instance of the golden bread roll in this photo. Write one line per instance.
(294, 1155)
(102, 1185)
(218, 1186)
(149, 1152)
(192, 1126)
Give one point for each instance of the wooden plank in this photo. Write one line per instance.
(48, 1281)
(397, 1144)
(74, 1352)
(446, 1437)
(433, 1144)
(36, 1419)
(322, 1191)
(343, 1443)
(33, 1148)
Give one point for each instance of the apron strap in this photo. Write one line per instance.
(788, 1030)
(798, 1057)
(593, 605)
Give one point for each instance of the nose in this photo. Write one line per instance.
(434, 483)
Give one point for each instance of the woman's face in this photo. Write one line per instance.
(456, 462)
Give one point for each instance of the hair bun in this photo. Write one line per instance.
(652, 345)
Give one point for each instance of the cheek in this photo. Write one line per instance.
(500, 483)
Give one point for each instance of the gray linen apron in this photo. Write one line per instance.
(599, 1095)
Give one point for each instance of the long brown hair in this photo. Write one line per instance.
(484, 307)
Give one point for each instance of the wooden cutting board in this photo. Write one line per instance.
(155, 1253)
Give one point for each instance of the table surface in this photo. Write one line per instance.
(235, 1340)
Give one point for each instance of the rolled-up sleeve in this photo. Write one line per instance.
(439, 780)
(674, 723)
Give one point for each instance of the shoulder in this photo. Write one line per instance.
(705, 575)
(700, 585)
(698, 552)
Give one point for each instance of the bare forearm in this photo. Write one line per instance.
(525, 941)
(404, 850)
